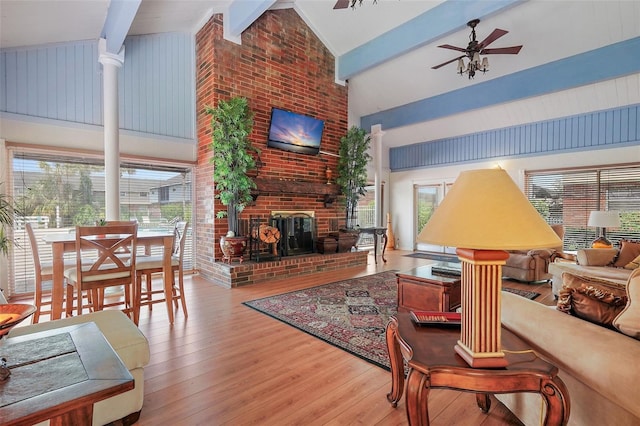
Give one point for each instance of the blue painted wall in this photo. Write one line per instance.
(64, 82)
(595, 130)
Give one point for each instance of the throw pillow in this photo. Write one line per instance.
(591, 299)
(628, 321)
(591, 304)
(570, 280)
(629, 250)
(634, 264)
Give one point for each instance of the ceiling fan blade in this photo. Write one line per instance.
(341, 4)
(448, 46)
(496, 34)
(513, 50)
(448, 62)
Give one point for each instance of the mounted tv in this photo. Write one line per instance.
(295, 132)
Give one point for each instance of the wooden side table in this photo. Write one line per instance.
(376, 232)
(421, 290)
(433, 363)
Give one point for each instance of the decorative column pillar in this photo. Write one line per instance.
(111, 63)
(376, 136)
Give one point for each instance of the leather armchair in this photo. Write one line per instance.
(532, 265)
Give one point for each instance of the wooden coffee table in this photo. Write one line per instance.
(58, 375)
(433, 363)
(420, 289)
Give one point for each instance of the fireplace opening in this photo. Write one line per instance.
(296, 235)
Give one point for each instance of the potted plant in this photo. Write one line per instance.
(231, 124)
(352, 170)
(8, 213)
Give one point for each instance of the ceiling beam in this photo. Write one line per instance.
(446, 18)
(241, 14)
(118, 22)
(612, 61)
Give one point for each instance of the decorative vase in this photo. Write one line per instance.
(233, 248)
(391, 245)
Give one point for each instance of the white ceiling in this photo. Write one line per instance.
(549, 30)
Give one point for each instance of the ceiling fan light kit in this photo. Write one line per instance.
(343, 4)
(474, 51)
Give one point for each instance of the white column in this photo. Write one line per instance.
(110, 65)
(376, 136)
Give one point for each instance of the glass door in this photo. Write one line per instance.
(427, 198)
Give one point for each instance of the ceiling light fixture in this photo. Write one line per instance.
(343, 4)
(474, 49)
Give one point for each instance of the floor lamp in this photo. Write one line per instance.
(484, 214)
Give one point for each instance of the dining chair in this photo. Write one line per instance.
(149, 265)
(43, 272)
(103, 244)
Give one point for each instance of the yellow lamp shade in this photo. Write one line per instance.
(486, 210)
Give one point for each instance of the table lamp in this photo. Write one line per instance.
(603, 220)
(484, 214)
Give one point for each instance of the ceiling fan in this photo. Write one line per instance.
(343, 4)
(475, 49)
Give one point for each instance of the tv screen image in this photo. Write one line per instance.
(295, 132)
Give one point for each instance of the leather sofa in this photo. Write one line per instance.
(598, 365)
(131, 346)
(532, 265)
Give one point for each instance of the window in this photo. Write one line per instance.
(57, 192)
(164, 194)
(568, 196)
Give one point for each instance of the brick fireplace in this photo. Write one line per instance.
(280, 63)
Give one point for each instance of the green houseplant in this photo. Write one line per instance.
(8, 213)
(352, 170)
(231, 124)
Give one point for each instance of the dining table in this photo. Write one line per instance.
(66, 242)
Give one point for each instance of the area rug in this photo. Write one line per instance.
(350, 314)
(524, 293)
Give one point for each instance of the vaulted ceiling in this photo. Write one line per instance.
(577, 55)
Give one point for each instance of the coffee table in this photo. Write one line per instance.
(58, 375)
(433, 363)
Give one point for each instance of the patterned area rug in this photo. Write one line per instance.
(524, 293)
(350, 314)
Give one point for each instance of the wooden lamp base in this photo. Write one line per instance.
(480, 334)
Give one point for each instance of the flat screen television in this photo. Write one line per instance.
(295, 132)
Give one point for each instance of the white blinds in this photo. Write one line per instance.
(56, 192)
(568, 196)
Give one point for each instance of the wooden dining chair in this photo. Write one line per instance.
(148, 265)
(43, 272)
(104, 244)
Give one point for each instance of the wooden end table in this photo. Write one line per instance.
(58, 375)
(419, 289)
(433, 363)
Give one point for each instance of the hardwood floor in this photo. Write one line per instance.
(228, 364)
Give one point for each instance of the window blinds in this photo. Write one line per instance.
(568, 196)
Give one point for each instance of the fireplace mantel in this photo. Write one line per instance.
(280, 186)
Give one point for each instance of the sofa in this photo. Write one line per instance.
(612, 265)
(532, 265)
(598, 364)
(131, 346)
